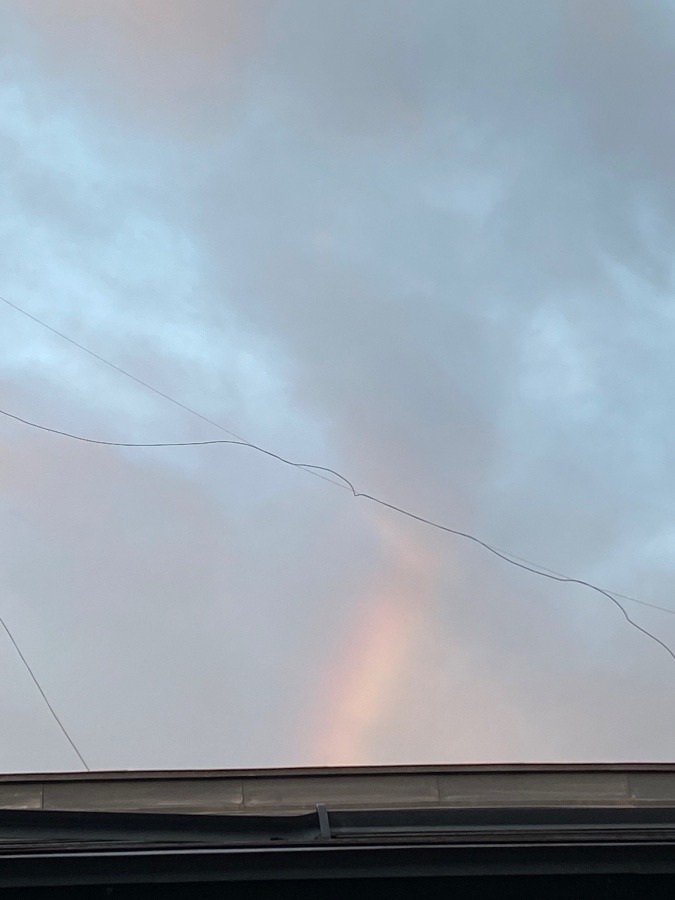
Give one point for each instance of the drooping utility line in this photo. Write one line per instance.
(533, 568)
(145, 384)
(238, 437)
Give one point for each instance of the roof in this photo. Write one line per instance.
(255, 791)
(469, 824)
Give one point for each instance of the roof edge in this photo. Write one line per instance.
(296, 772)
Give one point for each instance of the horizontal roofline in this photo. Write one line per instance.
(337, 771)
(292, 791)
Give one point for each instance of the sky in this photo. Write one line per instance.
(426, 244)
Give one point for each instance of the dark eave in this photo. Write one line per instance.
(274, 825)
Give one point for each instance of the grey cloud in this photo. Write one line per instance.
(504, 369)
(142, 592)
(155, 63)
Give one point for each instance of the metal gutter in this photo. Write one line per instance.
(290, 791)
(336, 824)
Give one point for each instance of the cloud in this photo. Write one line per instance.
(150, 62)
(427, 244)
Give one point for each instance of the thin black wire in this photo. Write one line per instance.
(246, 443)
(534, 568)
(205, 443)
(664, 609)
(44, 696)
(145, 384)
(520, 565)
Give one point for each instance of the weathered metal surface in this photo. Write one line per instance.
(536, 789)
(190, 795)
(652, 788)
(297, 790)
(21, 796)
(340, 791)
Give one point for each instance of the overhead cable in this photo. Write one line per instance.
(142, 383)
(244, 442)
(44, 696)
(534, 568)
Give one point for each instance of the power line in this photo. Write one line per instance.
(246, 443)
(534, 568)
(144, 384)
(206, 443)
(44, 696)
(664, 609)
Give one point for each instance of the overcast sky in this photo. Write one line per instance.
(427, 243)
